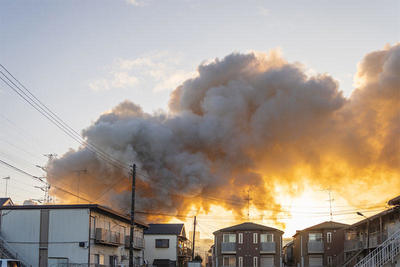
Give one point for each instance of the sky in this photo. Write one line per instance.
(82, 58)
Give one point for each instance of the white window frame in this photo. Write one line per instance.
(240, 238)
(255, 238)
(329, 237)
(240, 261)
(229, 238)
(255, 261)
(229, 259)
(266, 234)
(329, 260)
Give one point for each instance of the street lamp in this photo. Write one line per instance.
(359, 213)
(7, 178)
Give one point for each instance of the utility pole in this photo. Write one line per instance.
(132, 216)
(330, 203)
(7, 178)
(194, 237)
(248, 204)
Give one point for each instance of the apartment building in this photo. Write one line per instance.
(319, 245)
(369, 233)
(247, 245)
(166, 245)
(82, 234)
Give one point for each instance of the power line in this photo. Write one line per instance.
(32, 100)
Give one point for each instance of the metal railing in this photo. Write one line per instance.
(10, 252)
(228, 247)
(384, 253)
(352, 245)
(267, 247)
(315, 246)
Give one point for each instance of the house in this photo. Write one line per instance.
(166, 245)
(247, 244)
(84, 234)
(319, 245)
(6, 201)
(288, 258)
(370, 233)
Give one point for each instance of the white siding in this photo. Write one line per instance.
(151, 252)
(68, 227)
(21, 229)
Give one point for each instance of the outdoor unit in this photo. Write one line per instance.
(100, 235)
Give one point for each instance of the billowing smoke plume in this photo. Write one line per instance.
(247, 121)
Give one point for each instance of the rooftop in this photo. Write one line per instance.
(166, 229)
(248, 226)
(94, 207)
(6, 201)
(324, 225)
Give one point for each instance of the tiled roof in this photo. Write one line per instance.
(5, 201)
(165, 229)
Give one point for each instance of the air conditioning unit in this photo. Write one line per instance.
(100, 235)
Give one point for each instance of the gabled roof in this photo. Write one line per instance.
(166, 229)
(247, 226)
(394, 201)
(324, 225)
(6, 201)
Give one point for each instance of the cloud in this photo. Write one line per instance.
(160, 70)
(248, 121)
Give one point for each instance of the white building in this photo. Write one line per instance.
(166, 245)
(55, 235)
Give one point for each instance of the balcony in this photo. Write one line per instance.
(352, 245)
(315, 247)
(228, 248)
(138, 242)
(267, 247)
(184, 252)
(107, 237)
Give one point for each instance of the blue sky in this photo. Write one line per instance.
(82, 58)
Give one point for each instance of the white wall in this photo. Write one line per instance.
(21, 229)
(68, 227)
(151, 252)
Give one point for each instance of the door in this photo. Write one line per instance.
(315, 261)
(267, 261)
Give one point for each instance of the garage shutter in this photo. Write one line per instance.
(267, 261)
(315, 261)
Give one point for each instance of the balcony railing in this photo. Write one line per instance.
(138, 242)
(315, 247)
(267, 247)
(352, 245)
(107, 237)
(228, 247)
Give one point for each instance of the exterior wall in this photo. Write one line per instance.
(68, 227)
(248, 250)
(333, 249)
(21, 228)
(99, 220)
(152, 253)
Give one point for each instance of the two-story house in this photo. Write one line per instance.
(166, 245)
(247, 245)
(81, 234)
(319, 245)
(366, 235)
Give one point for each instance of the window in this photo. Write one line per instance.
(329, 237)
(229, 261)
(329, 259)
(99, 259)
(317, 237)
(240, 261)
(229, 238)
(113, 261)
(255, 262)
(162, 243)
(266, 238)
(240, 235)
(255, 238)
